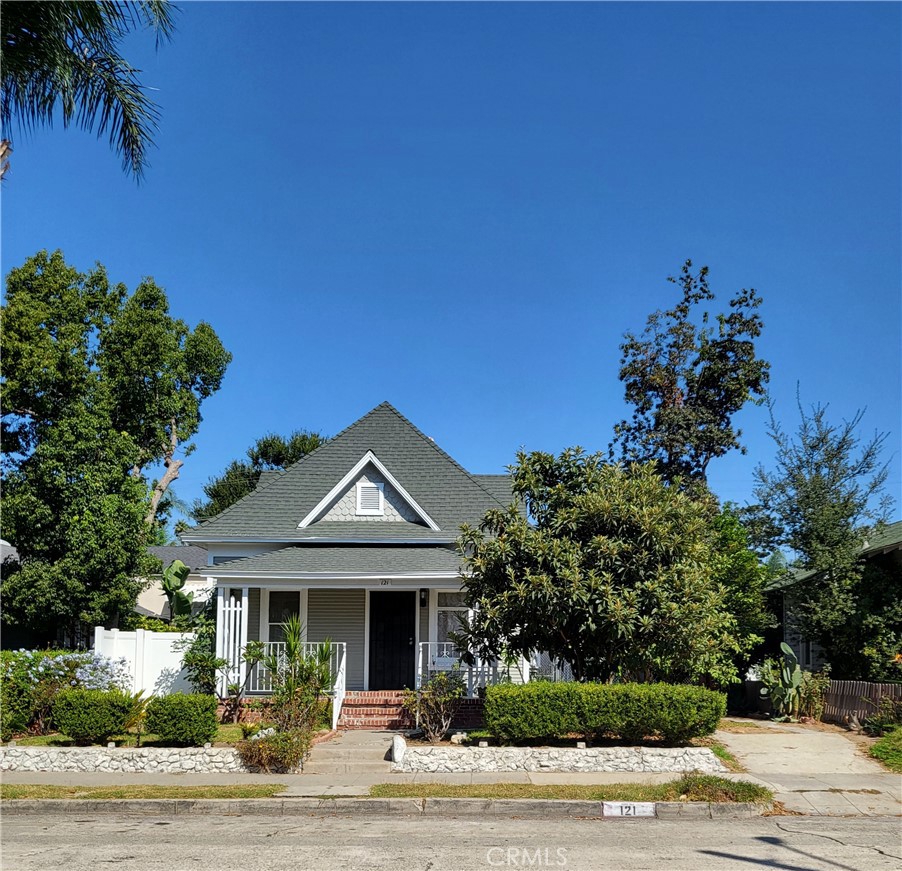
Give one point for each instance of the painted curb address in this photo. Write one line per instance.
(514, 807)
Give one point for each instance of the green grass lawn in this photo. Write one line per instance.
(41, 790)
(690, 787)
(229, 733)
(889, 750)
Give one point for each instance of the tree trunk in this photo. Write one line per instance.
(172, 472)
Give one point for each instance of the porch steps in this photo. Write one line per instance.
(374, 710)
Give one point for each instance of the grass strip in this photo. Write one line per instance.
(691, 787)
(889, 750)
(42, 790)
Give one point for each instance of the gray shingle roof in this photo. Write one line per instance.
(446, 491)
(346, 559)
(191, 556)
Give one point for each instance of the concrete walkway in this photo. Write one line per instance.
(814, 772)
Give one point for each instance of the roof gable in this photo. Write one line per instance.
(433, 481)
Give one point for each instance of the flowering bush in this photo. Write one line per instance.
(31, 679)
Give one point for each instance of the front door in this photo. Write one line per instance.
(392, 639)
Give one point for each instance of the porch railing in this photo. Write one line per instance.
(442, 656)
(260, 682)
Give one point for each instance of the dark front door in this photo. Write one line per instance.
(392, 639)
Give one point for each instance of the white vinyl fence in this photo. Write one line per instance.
(154, 659)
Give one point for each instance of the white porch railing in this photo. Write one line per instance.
(260, 681)
(440, 656)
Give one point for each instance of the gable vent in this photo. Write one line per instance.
(369, 498)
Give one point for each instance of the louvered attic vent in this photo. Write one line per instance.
(369, 499)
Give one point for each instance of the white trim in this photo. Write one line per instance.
(321, 539)
(344, 483)
(380, 489)
(344, 576)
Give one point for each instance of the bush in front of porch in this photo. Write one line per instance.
(629, 711)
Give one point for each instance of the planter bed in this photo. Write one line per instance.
(407, 758)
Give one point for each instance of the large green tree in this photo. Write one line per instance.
(821, 501)
(687, 377)
(614, 574)
(99, 385)
(63, 56)
(240, 477)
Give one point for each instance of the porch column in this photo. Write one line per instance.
(242, 635)
(221, 651)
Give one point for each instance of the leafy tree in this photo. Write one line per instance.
(686, 379)
(614, 575)
(64, 55)
(240, 477)
(821, 501)
(86, 396)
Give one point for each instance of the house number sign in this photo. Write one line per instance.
(385, 582)
(629, 808)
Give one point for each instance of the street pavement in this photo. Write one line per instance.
(85, 842)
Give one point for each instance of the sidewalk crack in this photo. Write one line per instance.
(838, 841)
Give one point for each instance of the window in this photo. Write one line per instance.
(370, 499)
(450, 609)
(282, 604)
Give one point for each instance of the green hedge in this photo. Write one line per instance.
(630, 711)
(91, 716)
(183, 718)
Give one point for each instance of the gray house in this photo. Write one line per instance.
(358, 539)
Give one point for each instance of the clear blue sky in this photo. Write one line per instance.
(460, 209)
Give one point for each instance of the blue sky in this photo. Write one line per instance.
(461, 208)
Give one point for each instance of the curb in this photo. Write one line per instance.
(439, 807)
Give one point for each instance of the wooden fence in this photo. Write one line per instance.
(845, 698)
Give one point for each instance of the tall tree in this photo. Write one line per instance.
(686, 379)
(614, 575)
(240, 477)
(821, 501)
(96, 382)
(64, 55)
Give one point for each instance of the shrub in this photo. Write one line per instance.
(886, 717)
(31, 679)
(813, 693)
(276, 751)
(889, 750)
(186, 719)
(92, 716)
(630, 711)
(436, 703)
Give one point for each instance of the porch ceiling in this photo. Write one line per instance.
(363, 559)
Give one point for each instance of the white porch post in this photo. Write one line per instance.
(242, 636)
(221, 651)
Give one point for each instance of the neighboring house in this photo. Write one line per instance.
(884, 548)
(357, 539)
(152, 600)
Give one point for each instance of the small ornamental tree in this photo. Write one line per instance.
(614, 575)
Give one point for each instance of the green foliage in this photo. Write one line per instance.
(253, 653)
(92, 716)
(173, 581)
(615, 576)
(436, 703)
(686, 379)
(889, 750)
(782, 681)
(199, 659)
(813, 693)
(242, 476)
(276, 751)
(185, 719)
(98, 386)
(821, 502)
(540, 710)
(63, 56)
(887, 716)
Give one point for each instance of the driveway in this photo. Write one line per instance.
(814, 772)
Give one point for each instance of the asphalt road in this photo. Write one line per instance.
(261, 843)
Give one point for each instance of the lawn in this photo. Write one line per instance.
(41, 790)
(889, 750)
(690, 787)
(229, 733)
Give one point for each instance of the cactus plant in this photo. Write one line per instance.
(783, 683)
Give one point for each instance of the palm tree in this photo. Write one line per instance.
(65, 53)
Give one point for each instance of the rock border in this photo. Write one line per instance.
(408, 758)
(130, 760)
(437, 807)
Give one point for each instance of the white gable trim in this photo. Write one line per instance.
(345, 483)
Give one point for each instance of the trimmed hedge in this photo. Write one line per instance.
(182, 718)
(630, 711)
(91, 716)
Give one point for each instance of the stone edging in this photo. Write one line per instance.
(439, 807)
(166, 760)
(407, 758)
